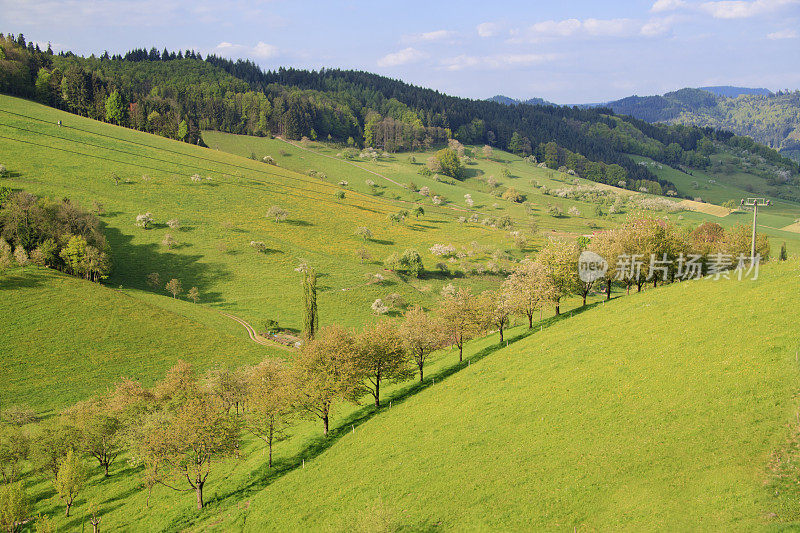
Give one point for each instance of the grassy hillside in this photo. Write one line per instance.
(220, 216)
(597, 422)
(94, 335)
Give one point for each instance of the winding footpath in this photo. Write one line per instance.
(255, 337)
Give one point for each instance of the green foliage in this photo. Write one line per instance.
(115, 109)
(450, 163)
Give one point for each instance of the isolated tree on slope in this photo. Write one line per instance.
(310, 318)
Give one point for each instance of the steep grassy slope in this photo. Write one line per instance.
(63, 338)
(650, 412)
(221, 216)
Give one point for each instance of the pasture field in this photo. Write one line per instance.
(602, 420)
(607, 420)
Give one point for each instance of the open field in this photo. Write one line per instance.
(64, 338)
(637, 429)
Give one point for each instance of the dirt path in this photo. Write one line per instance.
(255, 337)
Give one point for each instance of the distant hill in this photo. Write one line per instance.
(728, 91)
(769, 118)
(500, 99)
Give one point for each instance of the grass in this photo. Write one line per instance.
(64, 339)
(646, 412)
(593, 423)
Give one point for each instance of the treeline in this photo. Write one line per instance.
(53, 234)
(177, 94)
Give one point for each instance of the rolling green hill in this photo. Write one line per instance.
(605, 419)
(602, 420)
(64, 338)
(598, 422)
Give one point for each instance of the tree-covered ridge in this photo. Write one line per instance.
(179, 94)
(771, 119)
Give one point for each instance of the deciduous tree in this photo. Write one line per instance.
(270, 402)
(70, 479)
(422, 334)
(381, 357)
(459, 311)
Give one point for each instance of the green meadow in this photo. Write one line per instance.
(662, 410)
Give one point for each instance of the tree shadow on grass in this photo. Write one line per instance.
(133, 262)
(19, 279)
(295, 222)
(318, 445)
(382, 241)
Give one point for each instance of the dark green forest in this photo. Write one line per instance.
(179, 94)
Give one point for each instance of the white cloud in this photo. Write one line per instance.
(427, 37)
(261, 50)
(739, 9)
(402, 57)
(487, 29)
(783, 34)
(655, 27)
(593, 28)
(667, 5)
(498, 61)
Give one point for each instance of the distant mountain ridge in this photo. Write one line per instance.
(770, 118)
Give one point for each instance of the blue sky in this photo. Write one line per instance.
(566, 52)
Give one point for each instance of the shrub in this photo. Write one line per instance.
(395, 300)
(268, 160)
(174, 223)
(339, 195)
(169, 241)
(277, 213)
(412, 262)
(555, 211)
(443, 250)
(154, 280)
(196, 178)
(574, 211)
(512, 195)
(144, 220)
(379, 308)
(363, 232)
(259, 246)
(3, 171)
(271, 326)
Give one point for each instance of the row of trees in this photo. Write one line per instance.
(55, 234)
